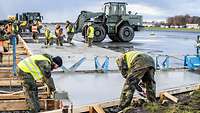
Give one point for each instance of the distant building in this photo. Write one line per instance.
(192, 26)
(149, 24)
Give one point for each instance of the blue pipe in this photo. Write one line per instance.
(14, 54)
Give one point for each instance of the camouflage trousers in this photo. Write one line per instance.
(70, 37)
(35, 36)
(146, 75)
(49, 41)
(89, 41)
(31, 93)
(59, 41)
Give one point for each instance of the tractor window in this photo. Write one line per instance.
(122, 10)
(107, 9)
(113, 10)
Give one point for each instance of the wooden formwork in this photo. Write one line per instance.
(16, 100)
(99, 107)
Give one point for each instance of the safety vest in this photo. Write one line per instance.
(90, 32)
(28, 66)
(34, 28)
(51, 36)
(70, 29)
(24, 23)
(15, 28)
(47, 33)
(130, 56)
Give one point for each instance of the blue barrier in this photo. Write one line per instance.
(165, 63)
(104, 67)
(192, 61)
(73, 67)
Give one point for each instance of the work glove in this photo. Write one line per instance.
(143, 92)
(136, 83)
(52, 95)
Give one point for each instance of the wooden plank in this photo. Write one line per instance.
(168, 96)
(39, 88)
(17, 105)
(5, 75)
(10, 82)
(29, 53)
(98, 109)
(13, 105)
(176, 90)
(55, 111)
(6, 82)
(21, 96)
(5, 68)
(91, 110)
(106, 104)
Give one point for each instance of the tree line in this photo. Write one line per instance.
(183, 20)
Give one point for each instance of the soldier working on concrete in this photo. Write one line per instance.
(48, 36)
(136, 67)
(59, 34)
(70, 32)
(34, 32)
(34, 68)
(90, 34)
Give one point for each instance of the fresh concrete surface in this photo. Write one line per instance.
(87, 88)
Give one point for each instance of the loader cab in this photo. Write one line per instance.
(115, 8)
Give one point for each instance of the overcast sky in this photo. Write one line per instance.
(62, 10)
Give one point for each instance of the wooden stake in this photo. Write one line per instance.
(98, 109)
(169, 96)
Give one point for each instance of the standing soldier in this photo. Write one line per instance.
(90, 34)
(15, 30)
(34, 68)
(48, 36)
(59, 34)
(136, 67)
(70, 32)
(3, 38)
(8, 28)
(34, 32)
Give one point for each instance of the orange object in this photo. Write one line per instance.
(1, 43)
(34, 28)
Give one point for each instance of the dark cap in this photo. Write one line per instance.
(57, 60)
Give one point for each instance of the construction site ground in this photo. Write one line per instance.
(86, 86)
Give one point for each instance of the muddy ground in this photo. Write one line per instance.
(188, 103)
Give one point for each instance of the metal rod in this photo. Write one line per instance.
(14, 54)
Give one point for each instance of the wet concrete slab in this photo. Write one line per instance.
(88, 88)
(71, 54)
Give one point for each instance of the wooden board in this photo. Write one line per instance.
(176, 90)
(6, 82)
(19, 97)
(18, 105)
(10, 82)
(98, 109)
(168, 96)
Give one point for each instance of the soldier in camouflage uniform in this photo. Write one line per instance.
(136, 67)
(37, 67)
(70, 32)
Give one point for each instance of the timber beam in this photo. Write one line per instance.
(21, 105)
